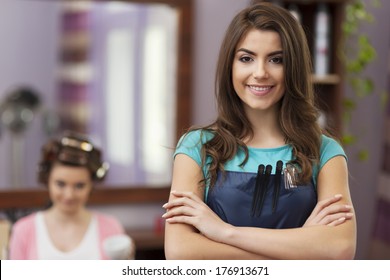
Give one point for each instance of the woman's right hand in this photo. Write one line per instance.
(329, 212)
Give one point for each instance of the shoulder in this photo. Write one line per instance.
(330, 147)
(22, 241)
(328, 141)
(192, 142)
(26, 223)
(195, 137)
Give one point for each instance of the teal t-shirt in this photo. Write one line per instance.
(232, 197)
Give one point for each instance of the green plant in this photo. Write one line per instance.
(357, 53)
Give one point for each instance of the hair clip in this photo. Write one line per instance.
(258, 185)
(82, 145)
(278, 175)
(102, 171)
(262, 181)
(290, 176)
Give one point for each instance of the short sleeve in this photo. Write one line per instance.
(191, 143)
(330, 148)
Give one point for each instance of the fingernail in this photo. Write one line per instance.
(348, 206)
(338, 195)
(342, 219)
(349, 215)
(165, 205)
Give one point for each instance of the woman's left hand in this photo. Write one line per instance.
(329, 212)
(188, 208)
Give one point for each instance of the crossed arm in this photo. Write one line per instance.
(194, 231)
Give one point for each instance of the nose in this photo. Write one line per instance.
(68, 192)
(260, 70)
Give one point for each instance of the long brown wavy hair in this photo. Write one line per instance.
(298, 114)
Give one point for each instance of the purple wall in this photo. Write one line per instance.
(208, 33)
(27, 58)
(368, 123)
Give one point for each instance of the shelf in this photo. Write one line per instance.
(330, 87)
(330, 79)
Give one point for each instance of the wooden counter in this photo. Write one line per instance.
(39, 197)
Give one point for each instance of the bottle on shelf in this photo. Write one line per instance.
(294, 10)
(322, 40)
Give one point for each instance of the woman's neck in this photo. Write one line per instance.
(266, 130)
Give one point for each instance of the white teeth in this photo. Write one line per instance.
(260, 88)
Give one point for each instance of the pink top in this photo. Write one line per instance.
(23, 243)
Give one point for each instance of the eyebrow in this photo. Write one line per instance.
(253, 53)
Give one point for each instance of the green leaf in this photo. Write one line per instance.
(384, 97)
(349, 104)
(363, 155)
(366, 86)
(348, 139)
(357, 53)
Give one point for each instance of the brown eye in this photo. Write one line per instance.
(60, 184)
(80, 186)
(277, 60)
(245, 59)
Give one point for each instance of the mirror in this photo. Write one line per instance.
(118, 71)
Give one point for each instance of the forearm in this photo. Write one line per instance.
(184, 243)
(316, 242)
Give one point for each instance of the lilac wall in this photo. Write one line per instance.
(368, 124)
(27, 58)
(211, 20)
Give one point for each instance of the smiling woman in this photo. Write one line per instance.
(263, 169)
(118, 71)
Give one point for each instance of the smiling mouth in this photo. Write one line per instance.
(260, 88)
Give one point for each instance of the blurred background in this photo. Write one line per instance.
(112, 70)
